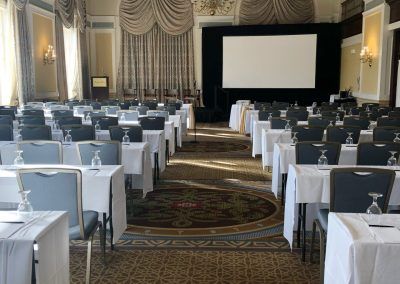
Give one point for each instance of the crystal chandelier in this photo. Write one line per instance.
(212, 7)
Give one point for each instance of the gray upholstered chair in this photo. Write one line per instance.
(36, 132)
(33, 112)
(80, 132)
(339, 134)
(158, 113)
(135, 133)
(6, 132)
(111, 110)
(96, 105)
(319, 121)
(279, 123)
(31, 120)
(6, 120)
(363, 123)
(376, 154)
(308, 153)
(299, 114)
(263, 115)
(152, 105)
(41, 152)
(60, 189)
(9, 112)
(345, 197)
(62, 113)
(69, 120)
(129, 115)
(385, 134)
(142, 110)
(125, 105)
(110, 152)
(152, 123)
(309, 133)
(388, 121)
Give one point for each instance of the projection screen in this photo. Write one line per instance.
(279, 62)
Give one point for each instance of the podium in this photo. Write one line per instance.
(100, 88)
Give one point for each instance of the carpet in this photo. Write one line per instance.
(212, 146)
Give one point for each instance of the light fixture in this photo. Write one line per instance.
(366, 56)
(49, 55)
(212, 7)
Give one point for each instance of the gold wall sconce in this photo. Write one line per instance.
(49, 56)
(366, 56)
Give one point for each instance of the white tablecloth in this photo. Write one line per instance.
(234, 119)
(50, 231)
(95, 191)
(357, 253)
(308, 184)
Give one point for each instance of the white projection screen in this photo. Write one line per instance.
(270, 62)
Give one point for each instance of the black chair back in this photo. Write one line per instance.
(125, 105)
(80, 132)
(152, 123)
(369, 105)
(309, 133)
(385, 134)
(319, 121)
(331, 114)
(308, 153)
(349, 188)
(36, 132)
(280, 105)
(152, 105)
(388, 121)
(300, 115)
(6, 132)
(376, 154)
(381, 110)
(261, 105)
(135, 102)
(31, 120)
(264, 114)
(279, 123)
(9, 112)
(6, 119)
(62, 113)
(96, 105)
(363, 123)
(33, 112)
(135, 133)
(340, 133)
(369, 115)
(395, 114)
(105, 122)
(71, 120)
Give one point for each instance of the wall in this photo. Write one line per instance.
(350, 67)
(42, 36)
(104, 58)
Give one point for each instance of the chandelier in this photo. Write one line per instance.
(212, 7)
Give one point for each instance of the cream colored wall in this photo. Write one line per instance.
(371, 38)
(45, 75)
(350, 67)
(104, 60)
(102, 7)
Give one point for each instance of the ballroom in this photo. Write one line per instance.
(200, 141)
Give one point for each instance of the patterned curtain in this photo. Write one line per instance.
(60, 51)
(265, 12)
(156, 45)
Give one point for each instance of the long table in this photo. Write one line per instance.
(48, 230)
(99, 187)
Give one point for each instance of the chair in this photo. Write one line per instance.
(9, 112)
(62, 113)
(124, 105)
(331, 115)
(330, 104)
(369, 105)
(157, 113)
(152, 105)
(35, 105)
(300, 115)
(297, 108)
(324, 108)
(110, 152)
(105, 122)
(71, 104)
(369, 115)
(72, 120)
(33, 112)
(388, 121)
(80, 110)
(171, 94)
(152, 123)
(14, 108)
(142, 110)
(345, 197)
(382, 110)
(96, 105)
(280, 123)
(110, 110)
(309, 133)
(135, 133)
(354, 110)
(376, 154)
(308, 153)
(394, 114)
(60, 189)
(363, 123)
(36, 132)
(6, 132)
(135, 102)
(6, 120)
(94, 113)
(261, 105)
(129, 115)
(385, 134)
(319, 121)
(263, 115)
(339, 134)
(41, 152)
(79, 132)
(280, 105)
(31, 120)
(171, 109)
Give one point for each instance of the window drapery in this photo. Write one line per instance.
(265, 12)
(156, 45)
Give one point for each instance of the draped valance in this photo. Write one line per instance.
(20, 4)
(67, 9)
(138, 17)
(264, 12)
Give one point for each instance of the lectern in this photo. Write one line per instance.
(100, 88)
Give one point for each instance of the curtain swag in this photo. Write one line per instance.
(264, 12)
(67, 9)
(175, 17)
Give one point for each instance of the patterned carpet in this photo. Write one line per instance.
(211, 219)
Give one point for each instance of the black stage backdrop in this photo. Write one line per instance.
(327, 70)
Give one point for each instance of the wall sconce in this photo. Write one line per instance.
(366, 56)
(49, 55)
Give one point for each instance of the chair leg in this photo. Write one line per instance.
(102, 242)
(88, 259)
(322, 239)
(157, 167)
(312, 241)
(298, 226)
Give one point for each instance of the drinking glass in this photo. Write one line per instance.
(397, 138)
(294, 138)
(323, 160)
(367, 108)
(374, 207)
(68, 137)
(56, 125)
(96, 161)
(88, 118)
(19, 160)
(370, 126)
(295, 104)
(25, 207)
(18, 137)
(314, 104)
(349, 139)
(270, 117)
(350, 112)
(126, 139)
(331, 123)
(287, 126)
(318, 111)
(122, 117)
(97, 127)
(392, 161)
(337, 117)
(21, 122)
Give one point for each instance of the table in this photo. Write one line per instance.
(48, 230)
(235, 116)
(96, 186)
(357, 253)
(272, 136)
(136, 159)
